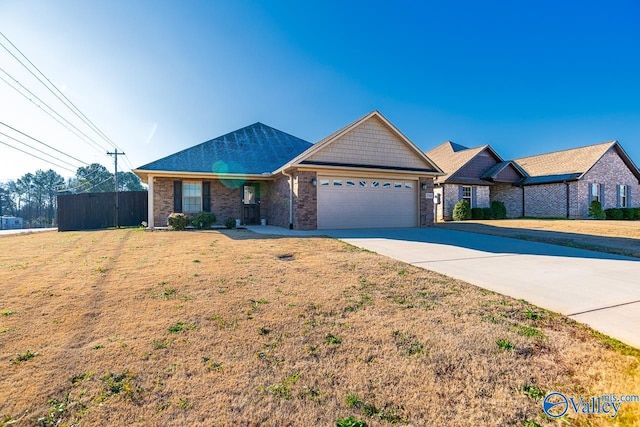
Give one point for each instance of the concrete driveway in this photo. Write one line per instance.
(598, 289)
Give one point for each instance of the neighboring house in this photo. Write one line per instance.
(564, 183)
(10, 222)
(367, 174)
(469, 175)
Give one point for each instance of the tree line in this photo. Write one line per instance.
(33, 197)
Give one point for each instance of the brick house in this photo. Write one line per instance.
(558, 184)
(469, 174)
(564, 183)
(365, 175)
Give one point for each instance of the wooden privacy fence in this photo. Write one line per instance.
(92, 211)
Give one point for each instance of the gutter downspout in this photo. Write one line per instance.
(290, 198)
(568, 199)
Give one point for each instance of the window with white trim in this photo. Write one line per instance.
(624, 195)
(466, 194)
(595, 192)
(191, 196)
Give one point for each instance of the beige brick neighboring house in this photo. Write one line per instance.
(365, 175)
(564, 183)
(470, 173)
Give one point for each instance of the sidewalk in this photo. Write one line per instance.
(25, 231)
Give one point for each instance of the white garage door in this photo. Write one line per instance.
(345, 202)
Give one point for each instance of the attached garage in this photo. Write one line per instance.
(363, 202)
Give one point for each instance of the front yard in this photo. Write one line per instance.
(125, 327)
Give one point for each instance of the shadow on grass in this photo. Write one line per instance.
(612, 245)
(473, 240)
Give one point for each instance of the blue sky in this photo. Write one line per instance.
(158, 77)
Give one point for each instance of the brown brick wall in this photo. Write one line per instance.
(426, 205)
(225, 201)
(511, 197)
(276, 201)
(547, 200)
(611, 171)
(305, 201)
(162, 200)
(452, 196)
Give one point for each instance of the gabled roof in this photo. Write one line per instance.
(571, 164)
(452, 157)
(253, 150)
(492, 173)
(575, 160)
(303, 158)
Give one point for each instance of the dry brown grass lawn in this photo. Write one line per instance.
(232, 328)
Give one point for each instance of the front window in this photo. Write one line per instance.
(466, 194)
(624, 193)
(191, 197)
(595, 192)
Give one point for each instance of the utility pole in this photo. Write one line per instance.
(115, 154)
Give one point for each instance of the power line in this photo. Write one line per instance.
(88, 138)
(38, 150)
(42, 143)
(90, 186)
(33, 155)
(69, 104)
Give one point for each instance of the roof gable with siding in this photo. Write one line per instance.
(462, 164)
(371, 142)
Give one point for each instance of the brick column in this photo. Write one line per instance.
(305, 201)
(426, 204)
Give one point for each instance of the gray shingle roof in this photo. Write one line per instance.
(548, 179)
(575, 160)
(254, 149)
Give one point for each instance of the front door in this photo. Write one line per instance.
(250, 204)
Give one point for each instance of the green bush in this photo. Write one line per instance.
(498, 210)
(461, 211)
(178, 221)
(487, 213)
(230, 223)
(350, 422)
(628, 213)
(595, 210)
(613, 213)
(477, 213)
(203, 220)
(637, 214)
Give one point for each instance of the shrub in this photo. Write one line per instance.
(178, 221)
(350, 422)
(613, 213)
(230, 223)
(628, 213)
(203, 220)
(487, 213)
(461, 211)
(498, 210)
(637, 214)
(477, 213)
(595, 210)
